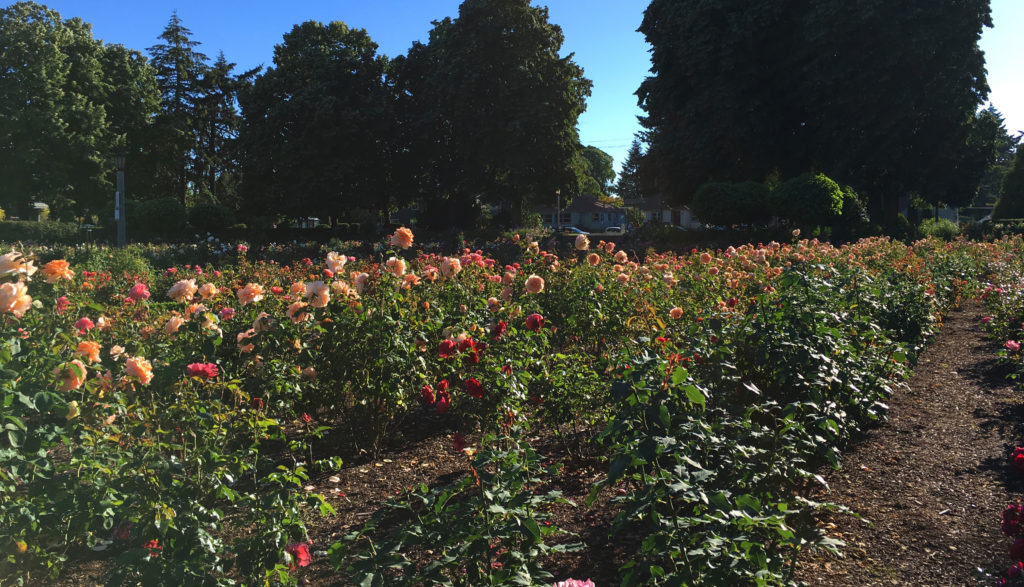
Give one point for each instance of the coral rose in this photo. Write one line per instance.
(139, 292)
(89, 350)
(396, 266)
(202, 370)
(250, 294)
(593, 259)
(56, 270)
(70, 375)
(139, 367)
(675, 313)
(14, 299)
(582, 242)
(295, 312)
(299, 553)
(319, 292)
(402, 238)
(534, 284)
(173, 324)
(183, 290)
(621, 257)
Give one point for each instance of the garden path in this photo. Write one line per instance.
(934, 479)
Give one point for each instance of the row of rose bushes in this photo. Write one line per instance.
(147, 412)
(1003, 299)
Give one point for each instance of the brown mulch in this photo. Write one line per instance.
(932, 481)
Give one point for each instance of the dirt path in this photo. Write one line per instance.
(932, 481)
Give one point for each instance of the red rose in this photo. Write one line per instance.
(154, 548)
(202, 370)
(534, 322)
(427, 393)
(1017, 458)
(1017, 549)
(500, 329)
(443, 401)
(458, 442)
(257, 403)
(474, 388)
(300, 553)
(446, 348)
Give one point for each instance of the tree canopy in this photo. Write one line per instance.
(878, 94)
(67, 104)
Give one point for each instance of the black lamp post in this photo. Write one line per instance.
(119, 199)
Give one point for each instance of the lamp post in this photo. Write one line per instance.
(558, 210)
(119, 199)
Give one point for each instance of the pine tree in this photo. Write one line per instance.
(628, 186)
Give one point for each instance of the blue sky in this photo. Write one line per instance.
(601, 33)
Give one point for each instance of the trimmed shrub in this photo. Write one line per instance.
(39, 232)
(732, 203)
(810, 199)
(939, 228)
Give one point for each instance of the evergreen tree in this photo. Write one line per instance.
(628, 187)
(179, 72)
(1011, 203)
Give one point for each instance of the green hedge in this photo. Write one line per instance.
(40, 232)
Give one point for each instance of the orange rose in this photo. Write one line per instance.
(141, 368)
(56, 270)
(297, 290)
(71, 375)
(13, 263)
(251, 293)
(402, 238)
(14, 299)
(320, 293)
(593, 259)
(621, 257)
(534, 284)
(208, 291)
(295, 312)
(675, 313)
(396, 266)
(90, 350)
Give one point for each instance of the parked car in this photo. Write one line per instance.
(613, 230)
(573, 230)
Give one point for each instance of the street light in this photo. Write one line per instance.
(558, 210)
(119, 199)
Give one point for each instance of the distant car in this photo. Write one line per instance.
(613, 230)
(573, 230)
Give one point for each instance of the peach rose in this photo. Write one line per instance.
(89, 350)
(360, 280)
(297, 290)
(183, 290)
(396, 266)
(56, 270)
(14, 262)
(582, 242)
(242, 337)
(621, 257)
(116, 351)
(336, 262)
(623, 278)
(14, 299)
(70, 375)
(262, 322)
(609, 247)
(675, 313)
(450, 267)
(593, 259)
(250, 294)
(533, 247)
(340, 288)
(534, 284)
(208, 291)
(295, 312)
(320, 293)
(402, 238)
(409, 280)
(139, 367)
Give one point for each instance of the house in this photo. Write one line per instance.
(654, 210)
(586, 213)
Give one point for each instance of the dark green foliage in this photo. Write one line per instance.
(67, 104)
(881, 95)
(732, 203)
(939, 228)
(40, 232)
(628, 187)
(600, 168)
(319, 126)
(1011, 202)
(490, 111)
(163, 218)
(1006, 146)
(208, 217)
(809, 199)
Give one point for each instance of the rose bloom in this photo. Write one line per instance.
(1017, 458)
(450, 267)
(116, 351)
(402, 238)
(336, 262)
(202, 370)
(208, 291)
(534, 322)
(14, 262)
(360, 279)
(474, 387)
(295, 312)
(193, 309)
(593, 259)
(533, 247)
(297, 290)
(226, 313)
(84, 325)
(183, 290)
(173, 324)
(623, 278)
(396, 266)
(250, 294)
(534, 284)
(242, 337)
(14, 299)
(262, 322)
(676, 313)
(1012, 345)
(574, 583)
(139, 367)
(89, 350)
(56, 270)
(409, 280)
(139, 292)
(70, 375)
(582, 242)
(446, 348)
(309, 373)
(621, 257)
(299, 553)
(320, 293)
(609, 247)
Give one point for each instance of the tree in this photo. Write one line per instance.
(490, 109)
(173, 144)
(809, 199)
(1011, 203)
(628, 187)
(1005, 147)
(601, 168)
(879, 94)
(67, 104)
(318, 126)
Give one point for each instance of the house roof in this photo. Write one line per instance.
(584, 203)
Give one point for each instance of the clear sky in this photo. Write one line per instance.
(601, 33)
